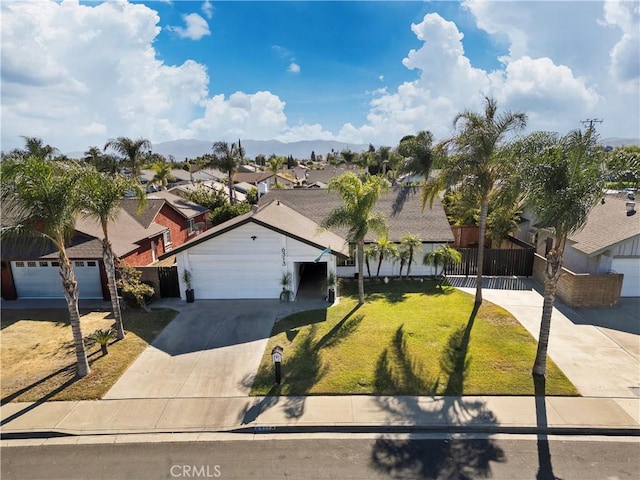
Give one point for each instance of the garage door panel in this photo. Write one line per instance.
(35, 279)
(217, 276)
(630, 268)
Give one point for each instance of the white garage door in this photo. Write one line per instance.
(42, 279)
(229, 276)
(630, 267)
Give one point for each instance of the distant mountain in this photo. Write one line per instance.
(182, 149)
(619, 142)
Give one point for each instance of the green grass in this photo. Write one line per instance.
(409, 338)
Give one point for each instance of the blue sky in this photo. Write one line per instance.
(78, 73)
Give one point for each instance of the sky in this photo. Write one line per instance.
(79, 73)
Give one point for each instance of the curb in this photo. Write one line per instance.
(353, 429)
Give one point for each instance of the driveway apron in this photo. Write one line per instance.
(212, 349)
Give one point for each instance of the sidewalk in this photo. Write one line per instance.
(604, 365)
(68, 422)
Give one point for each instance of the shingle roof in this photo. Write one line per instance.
(401, 206)
(329, 172)
(607, 225)
(148, 214)
(82, 247)
(279, 217)
(186, 208)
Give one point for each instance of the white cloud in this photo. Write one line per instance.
(207, 9)
(293, 68)
(259, 116)
(555, 71)
(196, 27)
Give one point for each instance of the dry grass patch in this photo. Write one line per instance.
(38, 358)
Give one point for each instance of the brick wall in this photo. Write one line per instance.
(583, 289)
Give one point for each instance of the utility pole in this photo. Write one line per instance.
(590, 122)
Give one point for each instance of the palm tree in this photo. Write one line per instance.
(417, 153)
(356, 213)
(41, 199)
(474, 163)
(101, 199)
(563, 180)
(34, 147)
(163, 174)
(227, 158)
(131, 150)
(383, 248)
(275, 164)
(369, 254)
(403, 258)
(92, 156)
(410, 243)
(444, 255)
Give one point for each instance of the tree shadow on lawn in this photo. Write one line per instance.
(454, 458)
(396, 291)
(302, 370)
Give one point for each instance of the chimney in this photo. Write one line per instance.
(631, 208)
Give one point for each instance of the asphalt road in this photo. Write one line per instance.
(311, 458)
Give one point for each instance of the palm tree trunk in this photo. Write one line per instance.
(410, 261)
(484, 208)
(380, 258)
(71, 295)
(231, 197)
(552, 275)
(360, 272)
(110, 268)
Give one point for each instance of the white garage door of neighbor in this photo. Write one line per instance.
(42, 279)
(630, 267)
(234, 276)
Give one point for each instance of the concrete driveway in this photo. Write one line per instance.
(211, 349)
(598, 349)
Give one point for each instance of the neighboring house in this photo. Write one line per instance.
(267, 178)
(323, 176)
(608, 243)
(245, 257)
(179, 177)
(137, 238)
(184, 189)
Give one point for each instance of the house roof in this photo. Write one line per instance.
(82, 247)
(125, 231)
(279, 217)
(147, 215)
(257, 177)
(186, 208)
(330, 171)
(209, 185)
(606, 226)
(401, 206)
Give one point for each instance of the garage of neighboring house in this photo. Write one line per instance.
(41, 279)
(246, 257)
(630, 268)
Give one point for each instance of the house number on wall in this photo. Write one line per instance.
(284, 262)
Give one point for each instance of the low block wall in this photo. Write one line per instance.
(583, 289)
(150, 274)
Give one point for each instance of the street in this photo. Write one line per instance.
(347, 457)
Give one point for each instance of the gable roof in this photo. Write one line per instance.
(125, 231)
(325, 174)
(606, 225)
(278, 217)
(401, 206)
(257, 177)
(147, 215)
(184, 207)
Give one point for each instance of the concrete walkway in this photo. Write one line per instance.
(598, 349)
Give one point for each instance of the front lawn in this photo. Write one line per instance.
(409, 338)
(38, 357)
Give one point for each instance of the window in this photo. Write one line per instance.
(44, 264)
(190, 226)
(91, 264)
(55, 264)
(19, 264)
(351, 261)
(31, 264)
(167, 238)
(79, 264)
